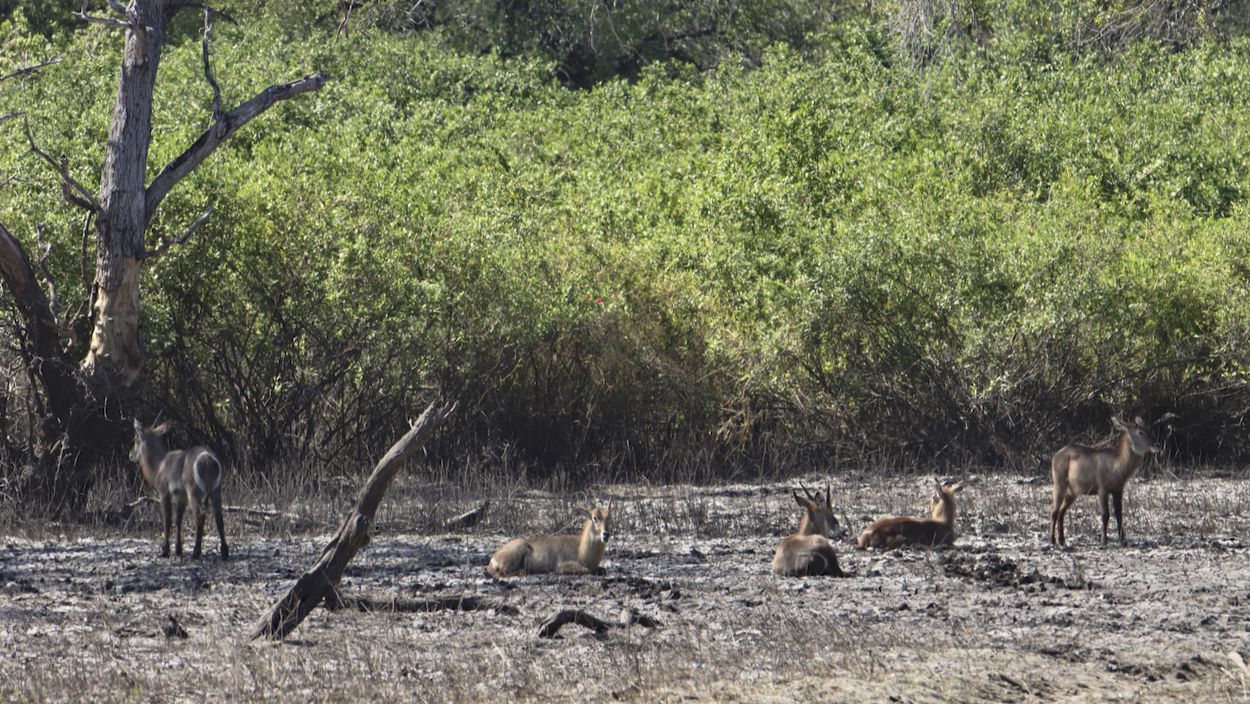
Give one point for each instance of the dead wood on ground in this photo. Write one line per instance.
(313, 586)
(581, 618)
(335, 601)
(467, 520)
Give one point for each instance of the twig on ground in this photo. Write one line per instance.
(581, 618)
(467, 520)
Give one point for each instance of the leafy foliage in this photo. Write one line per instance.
(823, 258)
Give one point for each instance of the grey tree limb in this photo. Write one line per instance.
(314, 585)
(220, 131)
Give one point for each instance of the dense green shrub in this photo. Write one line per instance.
(823, 259)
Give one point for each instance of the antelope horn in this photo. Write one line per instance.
(809, 494)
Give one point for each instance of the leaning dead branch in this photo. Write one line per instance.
(318, 582)
(585, 620)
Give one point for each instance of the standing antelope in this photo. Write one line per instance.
(891, 533)
(561, 554)
(181, 477)
(809, 552)
(1082, 470)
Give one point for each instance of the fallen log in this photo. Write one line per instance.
(313, 586)
(585, 620)
(335, 601)
(467, 520)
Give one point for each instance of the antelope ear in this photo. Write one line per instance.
(581, 511)
(138, 426)
(957, 488)
(1139, 421)
(163, 428)
(1118, 423)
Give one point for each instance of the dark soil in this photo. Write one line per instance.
(1000, 617)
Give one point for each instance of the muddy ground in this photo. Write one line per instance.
(1000, 617)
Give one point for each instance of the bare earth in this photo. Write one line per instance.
(1001, 617)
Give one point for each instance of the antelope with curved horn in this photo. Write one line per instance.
(809, 552)
(891, 533)
(559, 554)
(181, 477)
(1079, 470)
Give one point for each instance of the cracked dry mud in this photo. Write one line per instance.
(1001, 617)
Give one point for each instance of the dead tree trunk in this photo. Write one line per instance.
(322, 577)
(77, 423)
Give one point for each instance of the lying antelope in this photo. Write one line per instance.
(181, 477)
(809, 552)
(891, 533)
(561, 554)
(1082, 470)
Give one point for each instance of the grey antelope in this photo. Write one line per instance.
(809, 552)
(181, 477)
(561, 554)
(891, 533)
(1083, 470)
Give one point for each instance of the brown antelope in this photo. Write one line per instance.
(809, 552)
(561, 554)
(1079, 470)
(891, 533)
(181, 477)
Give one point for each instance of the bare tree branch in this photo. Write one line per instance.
(208, 69)
(220, 131)
(132, 23)
(85, 200)
(347, 15)
(26, 70)
(178, 240)
(46, 248)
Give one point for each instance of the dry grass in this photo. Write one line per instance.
(1001, 617)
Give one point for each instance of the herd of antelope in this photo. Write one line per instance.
(194, 477)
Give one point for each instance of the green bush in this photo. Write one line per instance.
(817, 261)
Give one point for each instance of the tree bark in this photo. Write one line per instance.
(116, 355)
(313, 586)
(60, 474)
